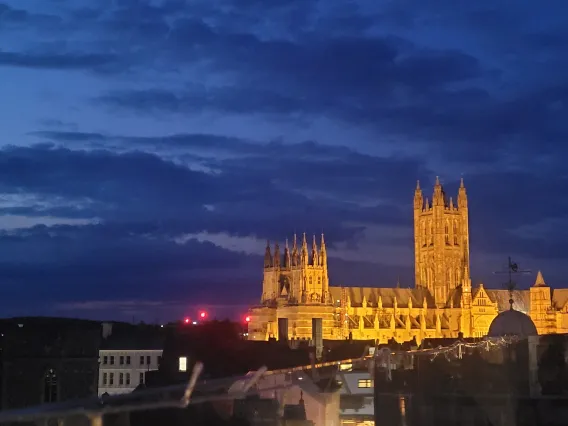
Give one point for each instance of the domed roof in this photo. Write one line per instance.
(512, 323)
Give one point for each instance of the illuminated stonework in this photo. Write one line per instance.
(441, 304)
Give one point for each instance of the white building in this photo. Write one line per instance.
(357, 398)
(322, 408)
(124, 361)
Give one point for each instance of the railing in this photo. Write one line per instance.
(177, 396)
(236, 387)
(167, 397)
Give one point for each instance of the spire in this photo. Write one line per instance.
(418, 200)
(539, 282)
(295, 256)
(315, 259)
(439, 198)
(267, 256)
(276, 261)
(304, 253)
(286, 255)
(323, 253)
(462, 196)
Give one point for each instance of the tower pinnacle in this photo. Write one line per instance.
(539, 282)
(267, 256)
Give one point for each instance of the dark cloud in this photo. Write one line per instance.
(245, 198)
(10, 16)
(447, 84)
(105, 262)
(57, 61)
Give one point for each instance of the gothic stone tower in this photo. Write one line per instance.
(441, 242)
(297, 277)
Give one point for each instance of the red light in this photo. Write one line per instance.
(186, 320)
(247, 319)
(202, 314)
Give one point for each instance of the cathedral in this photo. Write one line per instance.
(296, 295)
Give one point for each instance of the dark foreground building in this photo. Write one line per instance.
(47, 360)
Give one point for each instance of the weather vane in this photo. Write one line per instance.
(512, 268)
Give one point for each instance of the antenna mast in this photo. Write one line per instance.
(512, 268)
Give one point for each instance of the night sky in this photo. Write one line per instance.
(150, 148)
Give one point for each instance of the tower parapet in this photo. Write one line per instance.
(441, 242)
(296, 277)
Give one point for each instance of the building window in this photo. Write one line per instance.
(148, 360)
(112, 360)
(141, 359)
(128, 360)
(141, 378)
(105, 359)
(455, 234)
(182, 363)
(121, 360)
(50, 386)
(365, 383)
(121, 379)
(104, 378)
(128, 378)
(111, 379)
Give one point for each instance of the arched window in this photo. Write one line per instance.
(455, 233)
(50, 386)
(447, 232)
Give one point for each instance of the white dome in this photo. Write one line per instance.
(512, 323)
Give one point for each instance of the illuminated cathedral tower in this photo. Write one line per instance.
(298, 276)
(441, 243)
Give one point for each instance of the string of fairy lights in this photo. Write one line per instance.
(386, 357)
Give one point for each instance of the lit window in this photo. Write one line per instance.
(182, 363)
(365, 383)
